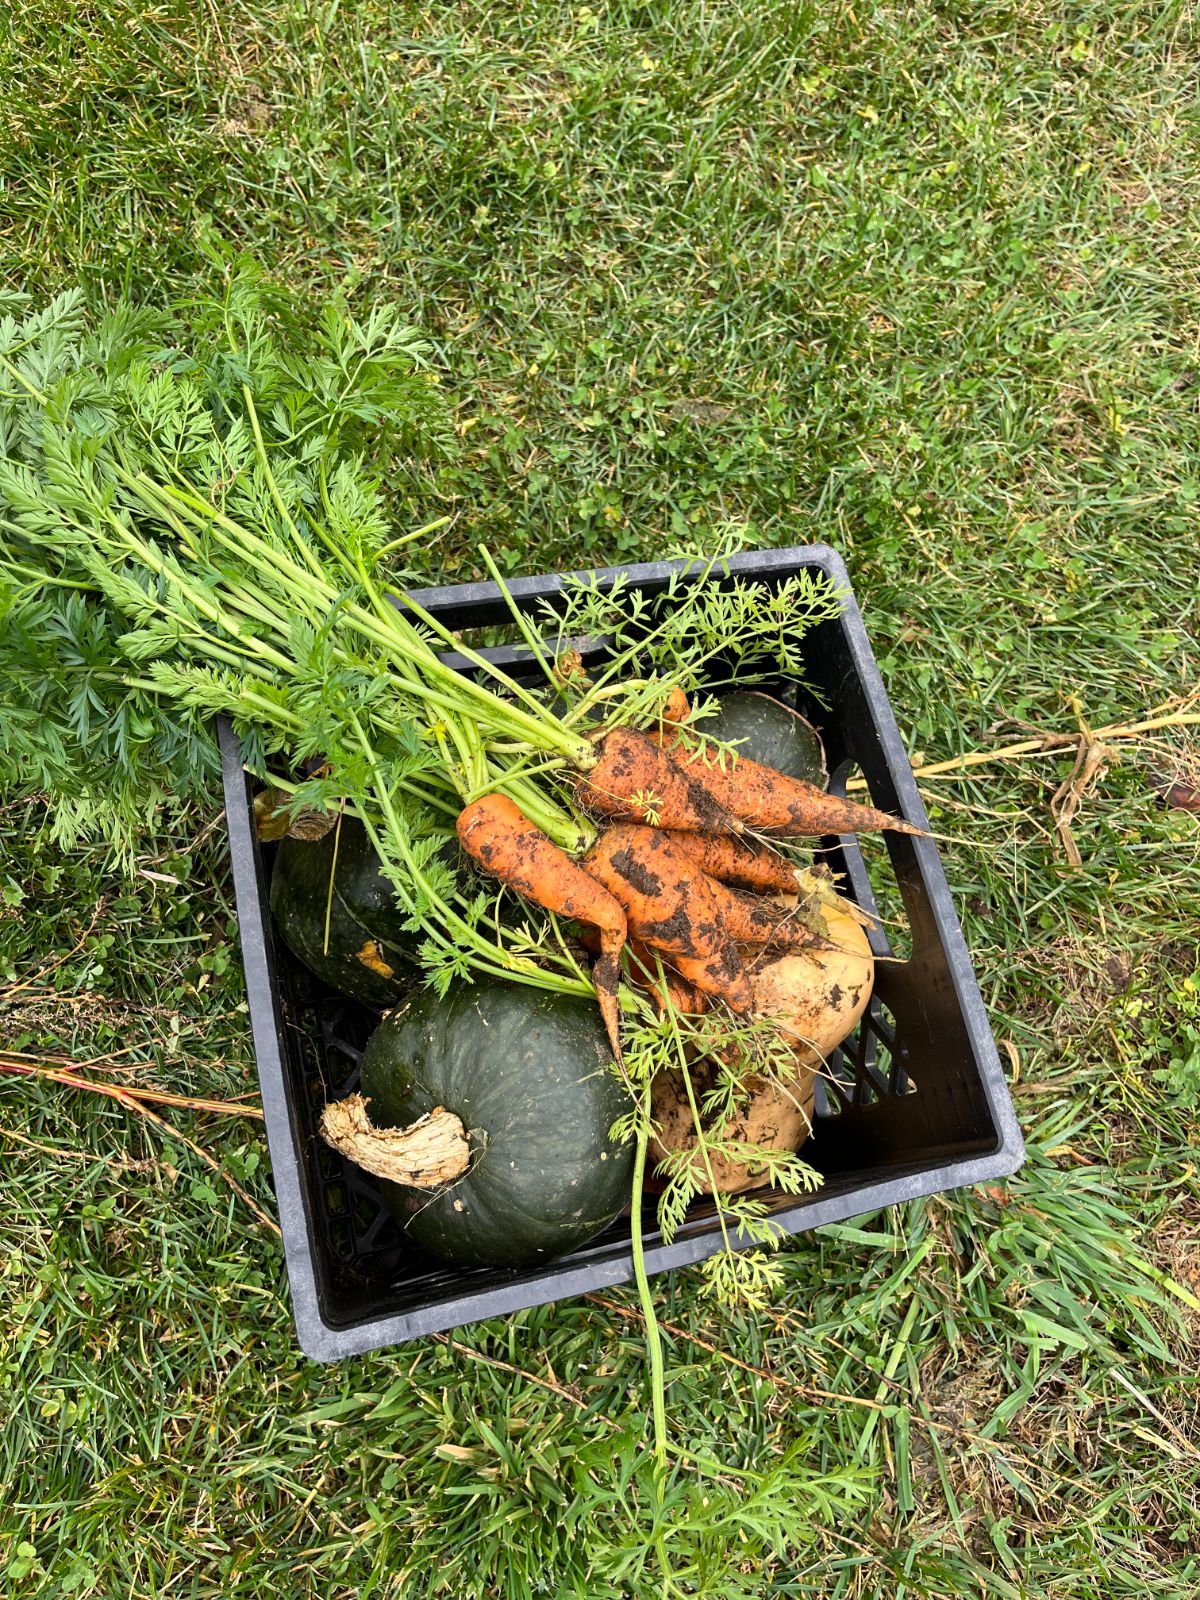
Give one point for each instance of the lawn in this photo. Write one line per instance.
(919, 281)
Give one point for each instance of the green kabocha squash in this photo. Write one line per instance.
(369, 954)
(767, 731)
(528, 1076)
(366, 891)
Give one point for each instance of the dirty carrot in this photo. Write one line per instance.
(676, 709)
(634, 779)
(497, 834)
(669, 905)
(751, 919)
(720, 974)
(667, 988)
(741, 863)
(774, 803)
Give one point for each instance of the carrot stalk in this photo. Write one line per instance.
(634, 779)
(497, 834)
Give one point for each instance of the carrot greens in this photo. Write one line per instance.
(190, 527)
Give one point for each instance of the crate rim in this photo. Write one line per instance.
(325, 1341)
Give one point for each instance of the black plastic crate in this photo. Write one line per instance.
(913, 1103)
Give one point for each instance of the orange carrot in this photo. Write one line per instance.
(666, 900)
(641, 964)
(634, 779)
(720, 974)
(771, 802)
(684, 998)
(753, 919)
(644, 971)
(741, 863)
(676, 709)
(497, 834)
(669, 905)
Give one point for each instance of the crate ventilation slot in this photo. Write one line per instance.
(870, 1066)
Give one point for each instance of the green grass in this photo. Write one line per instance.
(918, 280)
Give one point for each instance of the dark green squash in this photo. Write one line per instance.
(767, 731)
(365, 890)
(530, 1075)
(369, 955)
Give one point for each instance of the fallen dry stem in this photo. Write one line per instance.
(807, 1389)
(1048, 744)
(15, 1062)
(1185, 1444)
(205, 1156)
(1090, 763)
(522, 1372)
(772, 1378)
(129, 1100)
(56, 1152)
(104, 1063)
